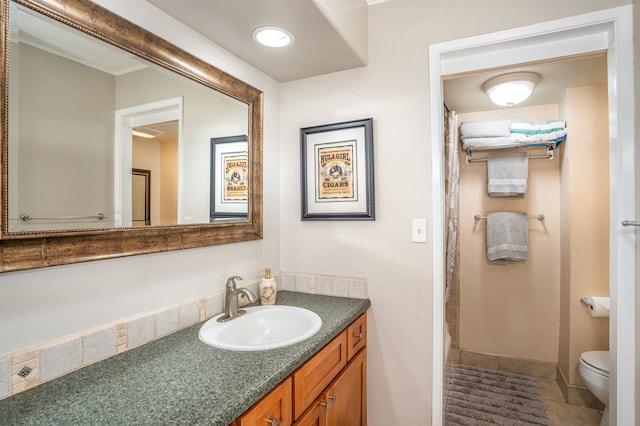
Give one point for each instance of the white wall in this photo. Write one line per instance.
(40, 305)
(393, 89)
(47, 99)
(397, 270)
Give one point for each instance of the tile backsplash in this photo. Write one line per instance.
(327, 285)
(29, 367)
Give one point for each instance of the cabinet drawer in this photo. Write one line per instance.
(276, 404)
(315, 416)
(356, 336)
(344, 401)
(314, 375)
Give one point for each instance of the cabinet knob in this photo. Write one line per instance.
(326, 405)
(273, 422)
(357, 335)
(334, 397)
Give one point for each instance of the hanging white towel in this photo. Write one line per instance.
(507, 236)
(507, 174)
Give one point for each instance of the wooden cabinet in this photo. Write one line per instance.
(343, 403)
(315, 375)
(329, 389)
(273, 409)
(315, 416)
(356, 336)
(346, 396)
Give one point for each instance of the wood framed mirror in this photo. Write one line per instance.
(35, 229)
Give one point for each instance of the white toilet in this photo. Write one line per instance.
(594, 369)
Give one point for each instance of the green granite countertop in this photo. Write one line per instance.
(177, 379)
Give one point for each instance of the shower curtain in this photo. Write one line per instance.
(452, 195)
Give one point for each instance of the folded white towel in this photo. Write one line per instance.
(556, 135)
(485, 129)
(507, 236)
(488, 143)
(532, 127)
(507, 173)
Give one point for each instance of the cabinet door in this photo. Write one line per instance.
(275, 408)
(313, 377)
(347, 395)
(356, 336)
(315, 416)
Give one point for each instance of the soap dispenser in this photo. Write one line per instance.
(267, 288)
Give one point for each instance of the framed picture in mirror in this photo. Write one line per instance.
(229, 178)
(337, 171)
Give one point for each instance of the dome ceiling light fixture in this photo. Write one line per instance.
(272, 36)
(511, 89)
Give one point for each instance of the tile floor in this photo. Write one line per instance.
(562, 414)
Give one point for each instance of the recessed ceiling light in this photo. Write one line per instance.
(272, 36)
(511, 89)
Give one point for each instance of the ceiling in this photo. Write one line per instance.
(47, 34)
(322, 44)
(329, 35)
(464, 93)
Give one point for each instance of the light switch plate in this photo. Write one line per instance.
(419, 231)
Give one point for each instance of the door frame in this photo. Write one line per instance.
(609, 30)
(125, 120)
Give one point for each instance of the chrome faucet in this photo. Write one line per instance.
(231, 295)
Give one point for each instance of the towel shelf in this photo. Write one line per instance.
(539, 217)
(549, 154)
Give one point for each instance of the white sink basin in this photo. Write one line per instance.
(262, 327)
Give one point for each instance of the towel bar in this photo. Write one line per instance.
(549, 155)
(539, 217)
(27, 217)
(631, 223)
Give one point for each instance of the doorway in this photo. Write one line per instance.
(156, 119)
(609, 31)
(141, 197)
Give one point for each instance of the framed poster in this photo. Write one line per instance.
(229, 178)
(337, 171)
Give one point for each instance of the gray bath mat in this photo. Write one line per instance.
(478, 397)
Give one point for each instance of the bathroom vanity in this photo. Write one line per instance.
(180, 380)
(328, 389)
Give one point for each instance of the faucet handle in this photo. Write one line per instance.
(231, 281)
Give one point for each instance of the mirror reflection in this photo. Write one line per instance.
(229, 165)
(84, 116)
(141, 197)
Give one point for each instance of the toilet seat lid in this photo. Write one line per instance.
(598, 360)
